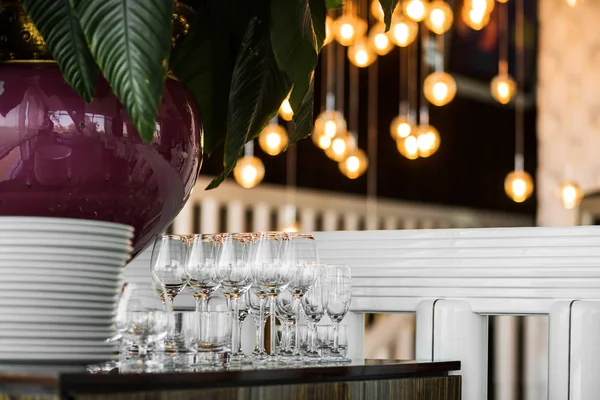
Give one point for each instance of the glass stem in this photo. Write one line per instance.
(273, 338)
(204, 303)
(239, 348)
(297, 327)
(262, 321)
(236, 323)
(142, 351)
(336, 337)
(198, 303)
(313, 336)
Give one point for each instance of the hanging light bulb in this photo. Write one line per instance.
(361, 54)
(415, 9)
(439, 88)
(348, 29)
(273, 139)
(249, 171)
(440, 17)
(486, 6)
(328, 31)
(504, 1)
(377, 10)
(285, 110)
(475, 18)
(573, 3)
(379, 40)
(355, 164)
(408, 147)
(341, 145)
(503, 88)
(401, 127)
(570, 195)
(518, 185)
(403, 30)
(327, 125)
(428, 140)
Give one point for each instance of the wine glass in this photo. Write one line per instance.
(271, 276)
(338, 288)
(167, 266)
(286, 312)
(142, 319)
(243, 310)
(235, 275)
(300, 253)
(255, 300)
(313, 304)
(201, 268)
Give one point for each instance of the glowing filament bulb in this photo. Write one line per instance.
(570, 195)
(355, 164)
(273, 139)
(440, 17)
(285, 110)
(439, 88)
(415, 9)
(518, 185)
(379, 40)
(400, 127)
(503, 88)
(360, 54)
(403, 31)
(249, 171)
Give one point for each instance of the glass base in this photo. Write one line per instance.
(212, 358)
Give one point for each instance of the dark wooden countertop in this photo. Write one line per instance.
(68, 381)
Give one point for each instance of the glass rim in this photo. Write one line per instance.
(172, 236)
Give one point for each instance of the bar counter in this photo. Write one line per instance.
(359, 380)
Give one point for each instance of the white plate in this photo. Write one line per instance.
(42, 296)
(68, 341)
(64, 275)
(9, 258)
(62, 222)
(52, 242)
(105, 322)
(34, 236)
(50, 230)
(58, 251)
(14, 329)
(71, 265)
(31, 281)
(62, 349)
(45, 302)
(85, 358)
(20, 310)
(26, 287)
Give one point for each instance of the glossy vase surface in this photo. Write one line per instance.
(62, 157)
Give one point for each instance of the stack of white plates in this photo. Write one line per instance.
(59, 279)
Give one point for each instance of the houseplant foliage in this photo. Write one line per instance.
(239, 58)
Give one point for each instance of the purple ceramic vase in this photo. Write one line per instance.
(62, 157)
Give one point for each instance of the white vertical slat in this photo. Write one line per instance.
(235, 216)
(408, 223)
(307, 219)
(209, 215)
(506, 357)
(330, 221)
(389, 223)
(351, 221)
(372, 222)
(536, 358)
(405, 339)
(427, 223)
(261, 218)
(184, 223)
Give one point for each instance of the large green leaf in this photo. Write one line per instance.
(131, 41)
(333, 4)
(58, 24)
(388, 9)
(296, 48)
(257, 89)
(318, 13)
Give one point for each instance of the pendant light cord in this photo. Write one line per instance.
(520, 76)
(502, 39)
(424, 110)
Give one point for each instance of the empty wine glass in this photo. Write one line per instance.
(235, 275)
(338, 288)
(300, 253)
(313, 304)
(255, 300)
(142, 319)
(167, 267)
(271, 276)
(238, 353)
(201, 268)
(286, 312)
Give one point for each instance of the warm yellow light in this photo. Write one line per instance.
(504, 1)
(440, 17)
(486, 6)
(570, 195)
(503, 88)
(348, 28)
(379, 40)
(377, 10)
(573, 3)
(518, 185)
(439, 88)
(340, 146)
(293, 227)
(400, 127)
(249, 171)
(285, 110)
(415, 9)
(428, 140)
(273, 139)
(403, 30)
(475, 18)
(329, 35)
(327, 125)
(408, 147)
(360, 54)
(355, 164)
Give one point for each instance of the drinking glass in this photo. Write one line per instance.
(338, 288)
(256, 307)
(271, 276)
(300, 253)
(142, 319)
(167, 266)
(286, 312)
(313, 304)
(179, 350)
(235, 274)
(211, 336)
(201, 268)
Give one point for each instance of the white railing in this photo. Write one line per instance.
(454, 279)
